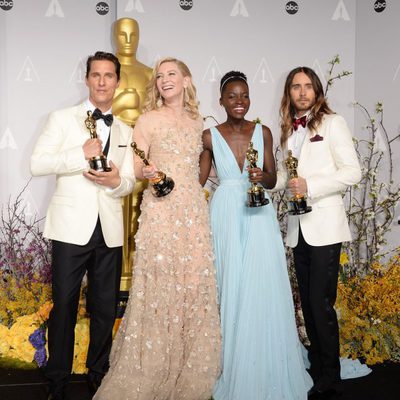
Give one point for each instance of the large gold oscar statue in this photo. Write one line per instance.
(128, 100)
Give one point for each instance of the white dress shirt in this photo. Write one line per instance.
(296, 139)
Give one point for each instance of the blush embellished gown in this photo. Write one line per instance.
(168, 344)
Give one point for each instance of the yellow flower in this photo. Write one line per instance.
(368, 311)
(25, 299)
(44, 311)
(344, 259)
(82, 330)
(19, 333)
(4, 340)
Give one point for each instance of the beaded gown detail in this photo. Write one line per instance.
(262, 356)
(168, 344)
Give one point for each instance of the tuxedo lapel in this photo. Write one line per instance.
(114, 139)
(304, 152)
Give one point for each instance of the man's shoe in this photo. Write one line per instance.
(311, 391)
(93, 386)
(56, 392)
(327, 394)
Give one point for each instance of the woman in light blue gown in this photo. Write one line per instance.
(261, 356)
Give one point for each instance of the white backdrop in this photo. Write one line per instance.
(44, 45)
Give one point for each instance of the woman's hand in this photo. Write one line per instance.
(149, 171)
(255, 175)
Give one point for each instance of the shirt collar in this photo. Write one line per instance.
(90, 107)
(306, 114)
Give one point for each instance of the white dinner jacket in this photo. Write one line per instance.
(329, 166)
(77, 202)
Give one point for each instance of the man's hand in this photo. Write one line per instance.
(92, 148)
(298, 186)
(109, 179)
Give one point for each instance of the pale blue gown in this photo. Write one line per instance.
(261, 357)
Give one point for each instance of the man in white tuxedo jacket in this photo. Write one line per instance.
(327, 164)
(84, 220)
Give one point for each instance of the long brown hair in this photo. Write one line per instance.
(154, 99)
(287, 111)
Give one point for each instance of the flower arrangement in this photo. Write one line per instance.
(24, 264)
(372, 203)
(368, 302)
(368, 309)
(26, 340)
(24, 284)
(25, 291)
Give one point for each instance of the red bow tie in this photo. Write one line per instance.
(299, 121)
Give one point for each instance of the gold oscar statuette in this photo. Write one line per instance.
(128, 101)
(256, 193)
(297, 204)
(161, 184)
(98, 163)
(131, 92)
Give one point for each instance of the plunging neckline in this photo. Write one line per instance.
(231, 152)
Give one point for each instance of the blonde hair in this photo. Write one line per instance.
(287, 111)
(153, 98)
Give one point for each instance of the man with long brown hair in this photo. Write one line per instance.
(327, 165)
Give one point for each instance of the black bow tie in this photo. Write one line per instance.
(299, 121)
(108, 118)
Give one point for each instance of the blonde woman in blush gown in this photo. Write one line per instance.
(168, 344)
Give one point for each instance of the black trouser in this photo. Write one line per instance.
(69, 264)
(317, 269)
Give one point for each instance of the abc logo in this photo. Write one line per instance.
(6, 4)
(291, 7)
(186, 4)
(101, 8)
(379, 5)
